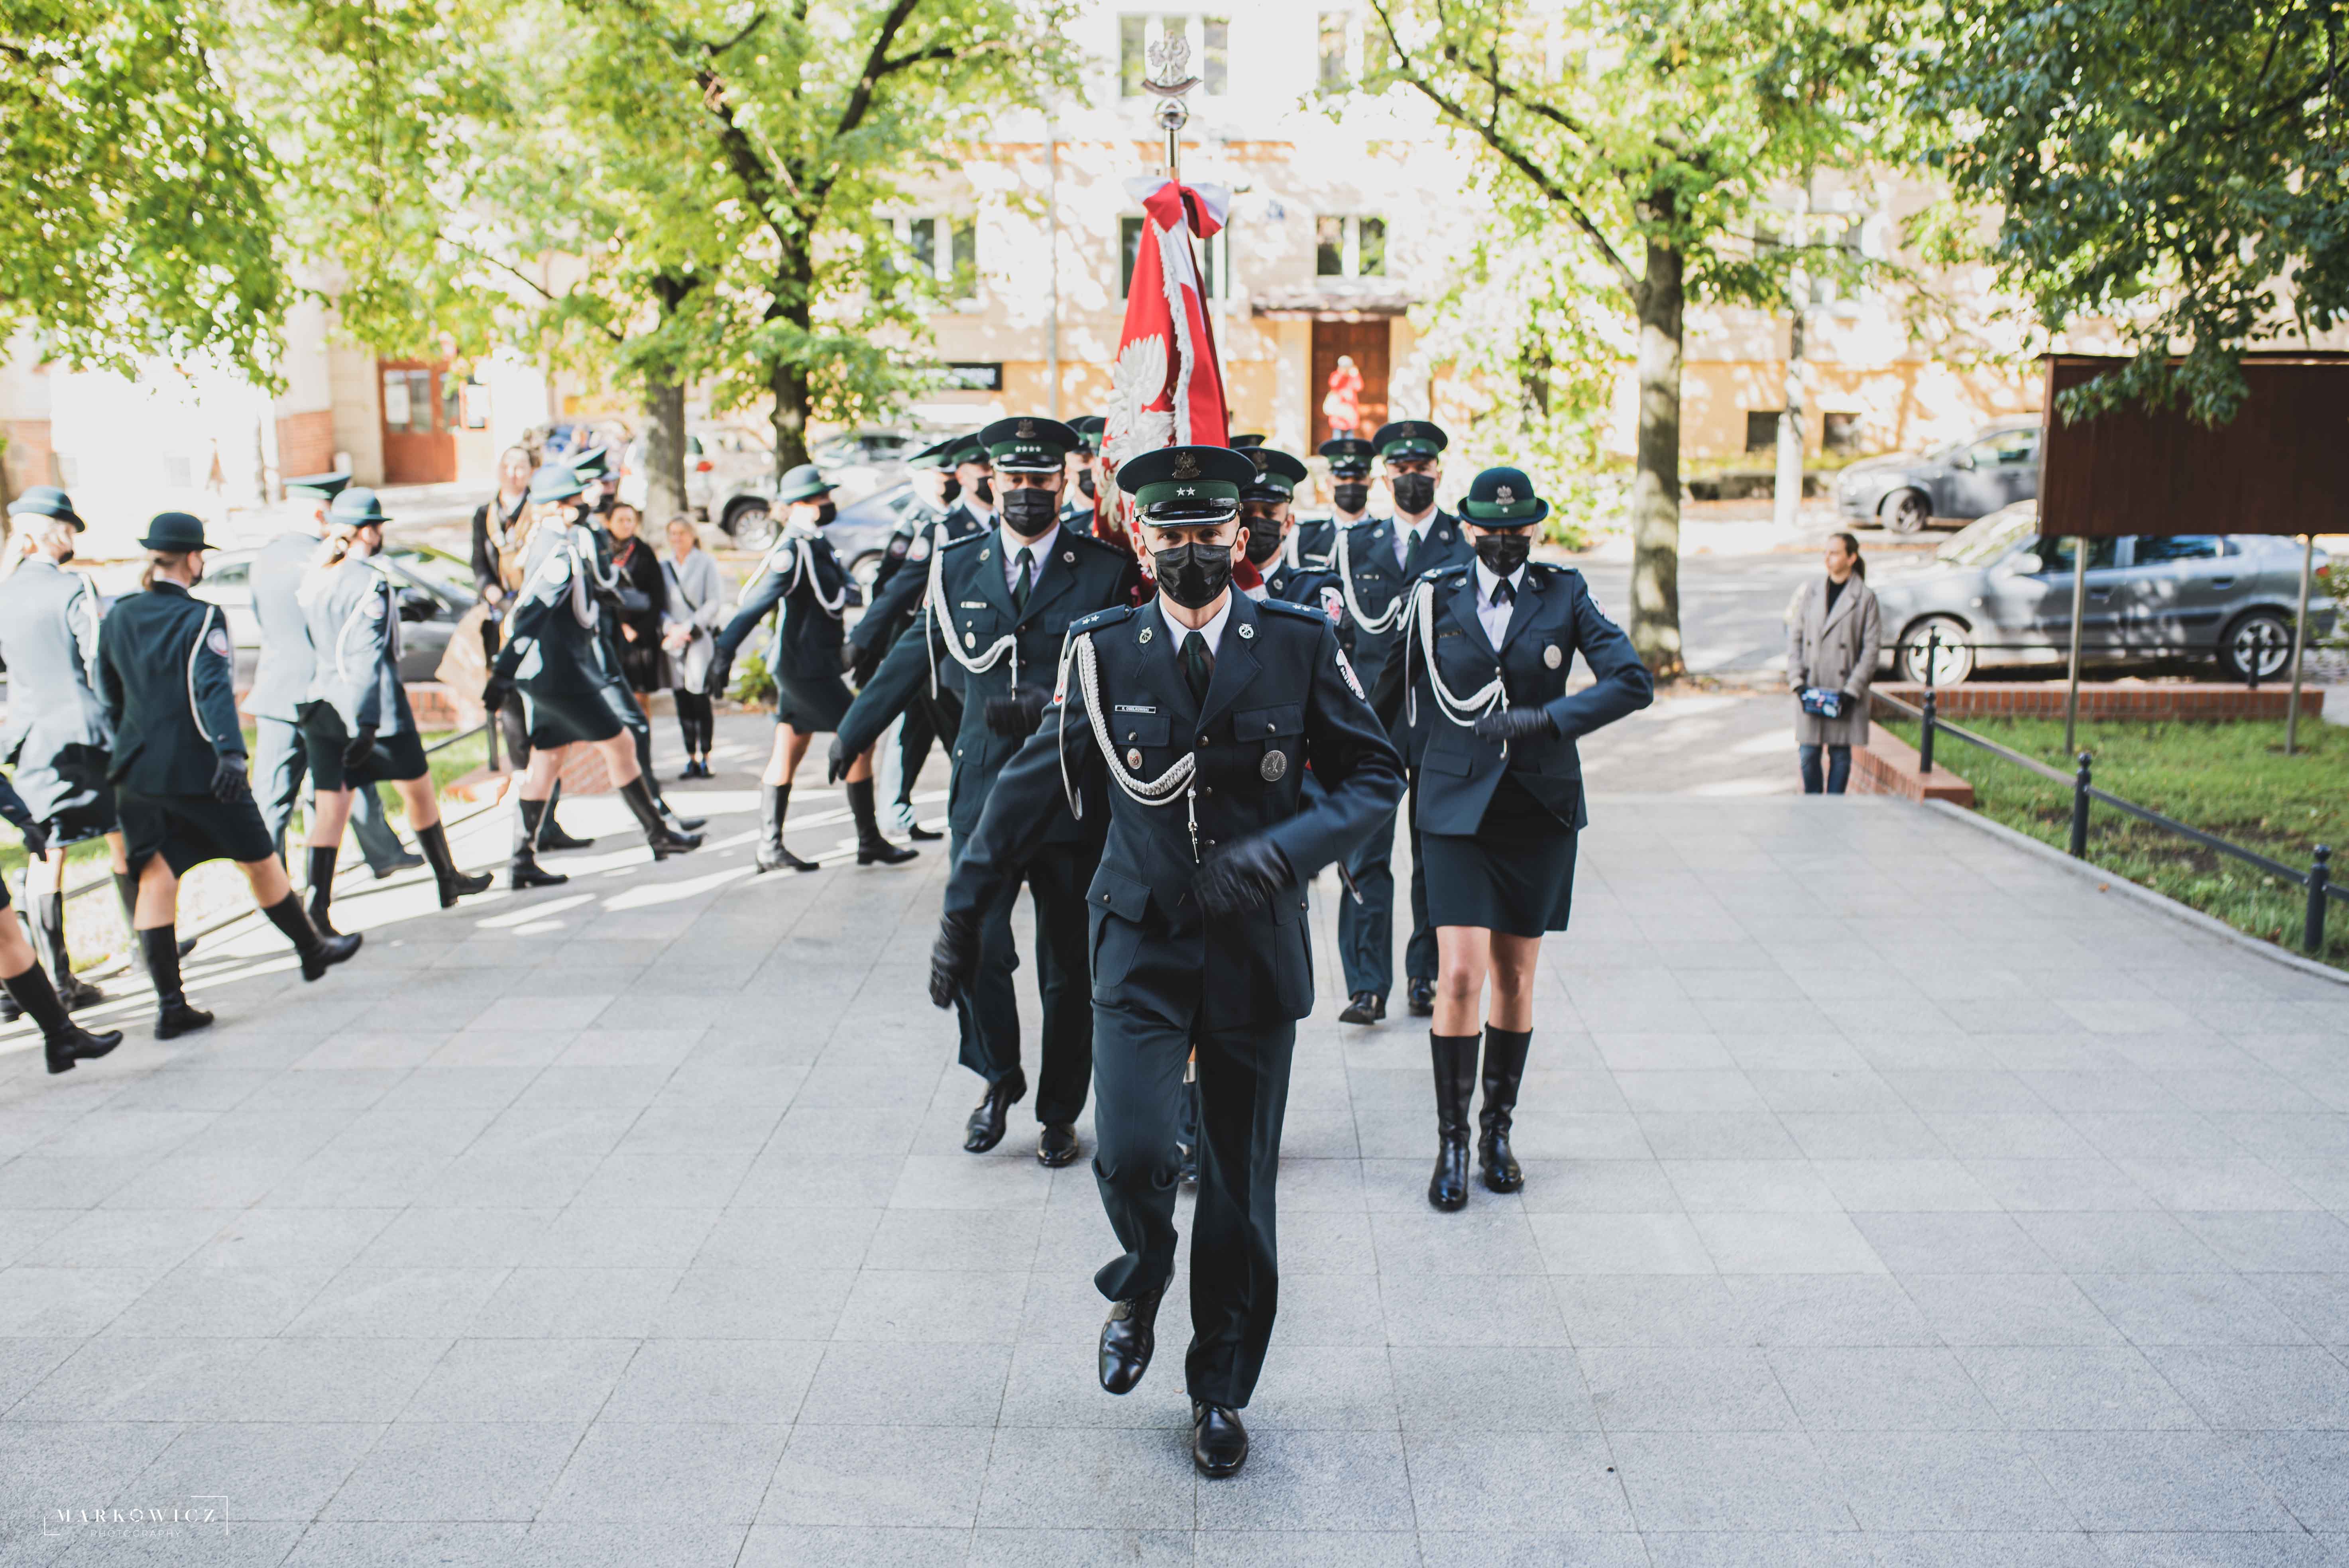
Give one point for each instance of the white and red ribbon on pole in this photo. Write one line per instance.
(1167, 387)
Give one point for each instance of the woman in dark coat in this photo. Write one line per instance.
(644, 595)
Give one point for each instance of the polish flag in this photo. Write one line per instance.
(1167, 385)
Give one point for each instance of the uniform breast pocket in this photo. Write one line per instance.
(1271, 738)
(1140, 726)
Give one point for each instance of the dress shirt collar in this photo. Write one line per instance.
(1213, 631)
(1013, 547)
(1484, 580)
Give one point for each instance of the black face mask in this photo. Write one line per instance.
(68, 556)
(1413, 493)
(1085, 481)
(825, 512)
(1192, 575)
(1263, 538)
(984, 490)
(1503, 554)
(1029, 510)
(953, 490)
(1351, 496)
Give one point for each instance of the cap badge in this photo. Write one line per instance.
(1187, 466)
(1025, 430)
(1506, 494)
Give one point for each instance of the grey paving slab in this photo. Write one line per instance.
(2024, 1251)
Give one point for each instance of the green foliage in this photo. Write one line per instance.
(2175, 165)
(754, 682)
(136, 215)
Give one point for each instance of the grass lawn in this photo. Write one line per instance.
(2233, 779)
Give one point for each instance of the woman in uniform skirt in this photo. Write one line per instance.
(802, 575)
(1485, 651)
(356, 729)
(557, 657)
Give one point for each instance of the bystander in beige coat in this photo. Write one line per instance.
(1836, 649)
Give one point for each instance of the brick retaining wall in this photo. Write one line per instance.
(2110, 699)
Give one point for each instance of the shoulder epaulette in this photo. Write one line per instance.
(1100, 618)
(1071, 537)
(966, 539)
(1284, 607)
(1368, 523)
(1553, 568)
(1437, 573)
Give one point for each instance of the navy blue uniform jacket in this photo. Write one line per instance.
(897, 586)
(167, 672)
(1552, 620)
(808, 637)
(1282, 697)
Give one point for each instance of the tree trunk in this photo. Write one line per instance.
(664, 454)
(1786, 487)
(787, 380)
(1656, 488)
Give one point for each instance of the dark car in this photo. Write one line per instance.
(1999, 593)
(1996, 466)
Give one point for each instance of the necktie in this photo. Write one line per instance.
(1026, 562)
(1502, 592)
(1199, 665)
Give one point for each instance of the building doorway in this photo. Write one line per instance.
(420, 420)
(1364, 342)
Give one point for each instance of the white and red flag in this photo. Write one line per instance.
(1167, 385)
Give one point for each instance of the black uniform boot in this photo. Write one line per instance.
(774, 800)
(454, 884)
(551, 836)
(530, 821)
(65, 1041)
(1455, 1087)
(872, 849)
(45, 913)
(1505, 1068)
(662, 840)
(1127, 1340)
(173, 1016)
(320, 951)
(126, 893)
(321, 891)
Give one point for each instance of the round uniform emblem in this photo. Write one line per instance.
(1146, 636)
(970, 639)
(1552, 656)
(1247, 632)
(918, 551)
(1134, 757)
(1274, 765)
(1068, 555)
(217, 641)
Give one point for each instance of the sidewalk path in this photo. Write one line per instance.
(1893, 1199)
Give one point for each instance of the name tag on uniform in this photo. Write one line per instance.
(1455, 632)
(1134, 707)
(971, 604)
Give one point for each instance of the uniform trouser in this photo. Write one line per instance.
(1366, 930)
(989, 1013)
(1234, 1249)
(279, 767)
(916, 730)
(1419, 950)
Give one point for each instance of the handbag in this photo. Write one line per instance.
(1821, 703)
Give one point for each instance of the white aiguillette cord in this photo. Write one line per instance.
(934, 600)
(1364, 620)
(1490, 697)
(1158, 791)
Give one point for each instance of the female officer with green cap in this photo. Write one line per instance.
(802, 575)
(1479, 669)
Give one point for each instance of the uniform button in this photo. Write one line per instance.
(1207, 789)
(1203, 740)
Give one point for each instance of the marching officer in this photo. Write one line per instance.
(29, 991)
(1483, 657)
(936, 490)
(898, 587)
(56, 736)
(802, 575)
(1349, 459)
(1267, 512)
(281, 683)
(167, 674)
(1376, 562)
(998, 609)
(1194, 718)
(1080, 507)
(357, 726)
(557, 657)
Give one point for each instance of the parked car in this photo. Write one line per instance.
(435, 589)
(1999, 592)
(863, 462)
(1996, 466)
(860, 534)
(729, 479)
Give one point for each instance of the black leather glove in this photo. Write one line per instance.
(863, 664)
(837, 761)
(721, 676)
(228, 782)
(954, 958)
(1515, 724)
(1241, 877)
(1017, 715)
(496, 692)
(362, 748)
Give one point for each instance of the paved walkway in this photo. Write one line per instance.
(1893, 1199)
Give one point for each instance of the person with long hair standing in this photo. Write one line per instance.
(1833, 633)
(643, 601)
(696, 609)
(1483, 658)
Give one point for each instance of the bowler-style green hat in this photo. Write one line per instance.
(554, 482)
(1028, 445)
(1177, 485)
(1409, 438)
(356, 509)
(1350, 456)
(317, 487)
(1503, 498)
(178, 532)
(804, 482)
(1277, 475)
(47, 500)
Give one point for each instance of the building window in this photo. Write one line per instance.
(1336, 67)
(945, 248)
(1350, 247)
(1842, 433)
(1210, 38)
(1761, 429)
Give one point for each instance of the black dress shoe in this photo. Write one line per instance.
(920, 834)
(984, 1131)
(1364, 1007)
(1186, 1164)
(1057, 1146)
(1422, 998)
(1127, 1339)
(1219, 1441)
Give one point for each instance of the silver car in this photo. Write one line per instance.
(1994, 467)
(435, 591)
(1999, 593)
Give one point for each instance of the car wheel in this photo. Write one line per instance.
(1952, 656)
(751, 525)
(1907, 512)
(2257, 647)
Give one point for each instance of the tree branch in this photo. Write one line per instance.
(876, 62)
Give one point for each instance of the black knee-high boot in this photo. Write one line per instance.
(551, 835)
(173, 1015)
(1455, 1087)
(65, 1041)
(1504, 1069)
(319, 950)
(322, 888)
(872, 849)
(530, 825)
(454, 884)
(45, 913)
(660, 837)
(774, 800)
(126, 893)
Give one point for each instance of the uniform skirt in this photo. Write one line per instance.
(566, 717)
(811, 704)
(325, 738)
(1518, 886)
(188, 830)
(68, 793)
